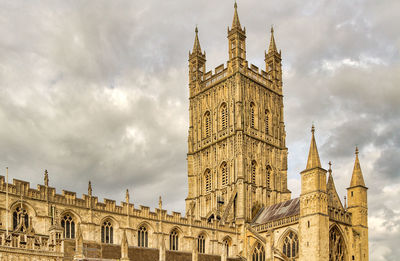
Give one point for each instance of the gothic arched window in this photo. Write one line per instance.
(253, 172)
(291, 245)
(107, 231)
(252, 115)
(207, 124)
(20, 219)
(336, 245)
(224, 174)
(201, 244)
(227, 243)
(224, 116)
(268, 178)
(258, 253)
(68, 225)
(207, 181)
(173, 240)
(143, 237)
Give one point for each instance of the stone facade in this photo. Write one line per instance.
(238, 205)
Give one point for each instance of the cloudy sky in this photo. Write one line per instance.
(97, 90)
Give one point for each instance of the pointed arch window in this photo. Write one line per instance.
(107, 232)
(291, 245)
(227, 243)
(252, 114)
(174, 240)
(224, 174)
(336, 245)
(253, 172)
(268, 177)
(258, 253)
(143, 237)
(207, 124)
(20, 219)
(207, 181)
(224, 116)
(68, 225)
(201, 244)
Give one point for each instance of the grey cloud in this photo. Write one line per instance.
(98, 90)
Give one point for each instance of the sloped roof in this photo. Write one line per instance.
(278, 211)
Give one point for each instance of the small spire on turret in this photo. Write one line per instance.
(272, 44)
(313, 156)
(357, 176)
(46, 178)
(196, 45)
(345, 203)
(90, 188)
(236, 22)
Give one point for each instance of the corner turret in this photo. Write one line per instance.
(358, 207)
(197, 65)
(237, 42)
(273, 62)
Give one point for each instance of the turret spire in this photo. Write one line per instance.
(333, 197)
(313, 156)
(236, 22)
(196, 45)
(357, 177)
(272, 45)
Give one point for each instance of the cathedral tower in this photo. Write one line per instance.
(358, 207)
(314, 219)
(237, 155)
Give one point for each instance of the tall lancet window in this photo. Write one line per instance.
(253, 172)
(252, 115)
(207, 181)
(224, 116)
(224, 174)
(173, 240)
(201, 244)
(207, 124)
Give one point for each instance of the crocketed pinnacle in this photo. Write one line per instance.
(236, 22)
(313, 156)
(272, 45)
(357, 177)
(196, 45)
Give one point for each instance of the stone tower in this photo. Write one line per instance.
(358, 207)
(314, 219)
(237, 155)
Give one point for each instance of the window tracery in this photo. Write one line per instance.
(336, 245)
(201, 244)
(207, 124)
(20, 219)
(107, 232)
(227, 243)
(224, 116)
(68, 225)
(291, 245)
(143, 237)
(258, 253)
(173, 240)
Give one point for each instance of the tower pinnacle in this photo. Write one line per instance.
(357, 177)
(196, 45)
(236, 22)
(272, 45)
(313, 156)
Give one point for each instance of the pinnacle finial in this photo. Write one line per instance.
(160, 202)
(272, 29)
(356, 151)
(313, 156)
(46, 178)
(236, 22)
(196, 30)
(90, 188)
(235, 5)
(127, 196)
(196, 45)
(330, 166)
(272, 45)
(357, 178)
